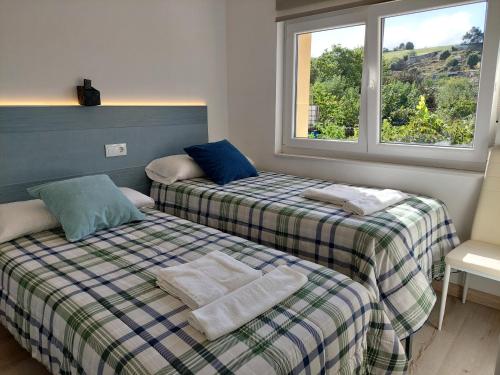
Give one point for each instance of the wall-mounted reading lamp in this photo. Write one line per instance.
(87, 95)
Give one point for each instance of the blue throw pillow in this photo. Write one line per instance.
(85, 205)
(221, 162)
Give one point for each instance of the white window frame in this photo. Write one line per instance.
(292, 30)
(369, 144)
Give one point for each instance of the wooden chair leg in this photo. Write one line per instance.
(446, 281)
(466, 287)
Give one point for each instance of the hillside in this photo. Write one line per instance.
(401, 53)
(430, 63)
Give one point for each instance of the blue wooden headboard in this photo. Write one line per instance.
(41, 144)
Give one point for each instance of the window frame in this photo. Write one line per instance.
(294, 28)
(369, 144)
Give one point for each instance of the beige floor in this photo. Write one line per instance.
(467, 345)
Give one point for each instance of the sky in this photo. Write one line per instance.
(425, 29)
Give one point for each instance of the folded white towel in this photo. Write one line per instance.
(205, 279)
(357, 200)
(371, 203)
(237, 308)
(336, 194)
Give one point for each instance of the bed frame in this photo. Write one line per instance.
(41, 144)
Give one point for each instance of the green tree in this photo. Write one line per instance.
(460, 132)
(399, 100)
(444, 55)
(335, 89)
(427, 127)
(390, 133)
(474, 35)
(409, 45)
(456, 98)
(452, 62)
(424, 126)
(339, 61)
(472, 60)
(336, 111)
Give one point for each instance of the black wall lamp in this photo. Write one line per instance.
(87, 95)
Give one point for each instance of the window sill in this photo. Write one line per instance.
(375, 160)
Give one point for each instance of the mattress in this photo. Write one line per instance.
(394, 253)
(92, 307)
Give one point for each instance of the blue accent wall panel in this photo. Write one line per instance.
(39, 144)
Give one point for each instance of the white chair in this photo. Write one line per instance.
(481, 254)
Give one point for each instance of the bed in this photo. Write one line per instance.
(395, 253)
(93, 307)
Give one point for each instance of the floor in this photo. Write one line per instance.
(467, 344)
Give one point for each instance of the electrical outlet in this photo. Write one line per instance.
(117, 149)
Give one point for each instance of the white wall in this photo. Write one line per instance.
(251, 62)
(162, 51)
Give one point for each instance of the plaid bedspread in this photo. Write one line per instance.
(395, 253)
(92, 307)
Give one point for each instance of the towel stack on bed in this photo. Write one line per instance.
(225, 293)
(357, 200)
(205, 279)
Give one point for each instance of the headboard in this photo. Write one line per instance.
(41, 144)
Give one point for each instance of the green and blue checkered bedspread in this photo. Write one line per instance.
(395, 253)
(92, 307)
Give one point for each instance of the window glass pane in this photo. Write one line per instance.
(430, 77)
(328, 92)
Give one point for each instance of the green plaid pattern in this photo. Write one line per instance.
(395, 253)
(92, 307)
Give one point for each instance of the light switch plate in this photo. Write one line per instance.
(117, 149)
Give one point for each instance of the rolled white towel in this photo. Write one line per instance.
(357, 200)
(205, 279)
(237, 308)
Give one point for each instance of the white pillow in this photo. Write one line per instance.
(18, 219)
(170, 169)
(173, 168)
(138, 199)
(21, 218)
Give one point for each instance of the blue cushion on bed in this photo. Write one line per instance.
(86, 204)
(221, 161)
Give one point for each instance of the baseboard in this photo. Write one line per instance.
(473, 295)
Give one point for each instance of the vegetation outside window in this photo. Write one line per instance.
(430, 83)
(329, 76)
(396, 81)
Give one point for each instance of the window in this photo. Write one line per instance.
(328, 86)
(430, 82)
(395, 81)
